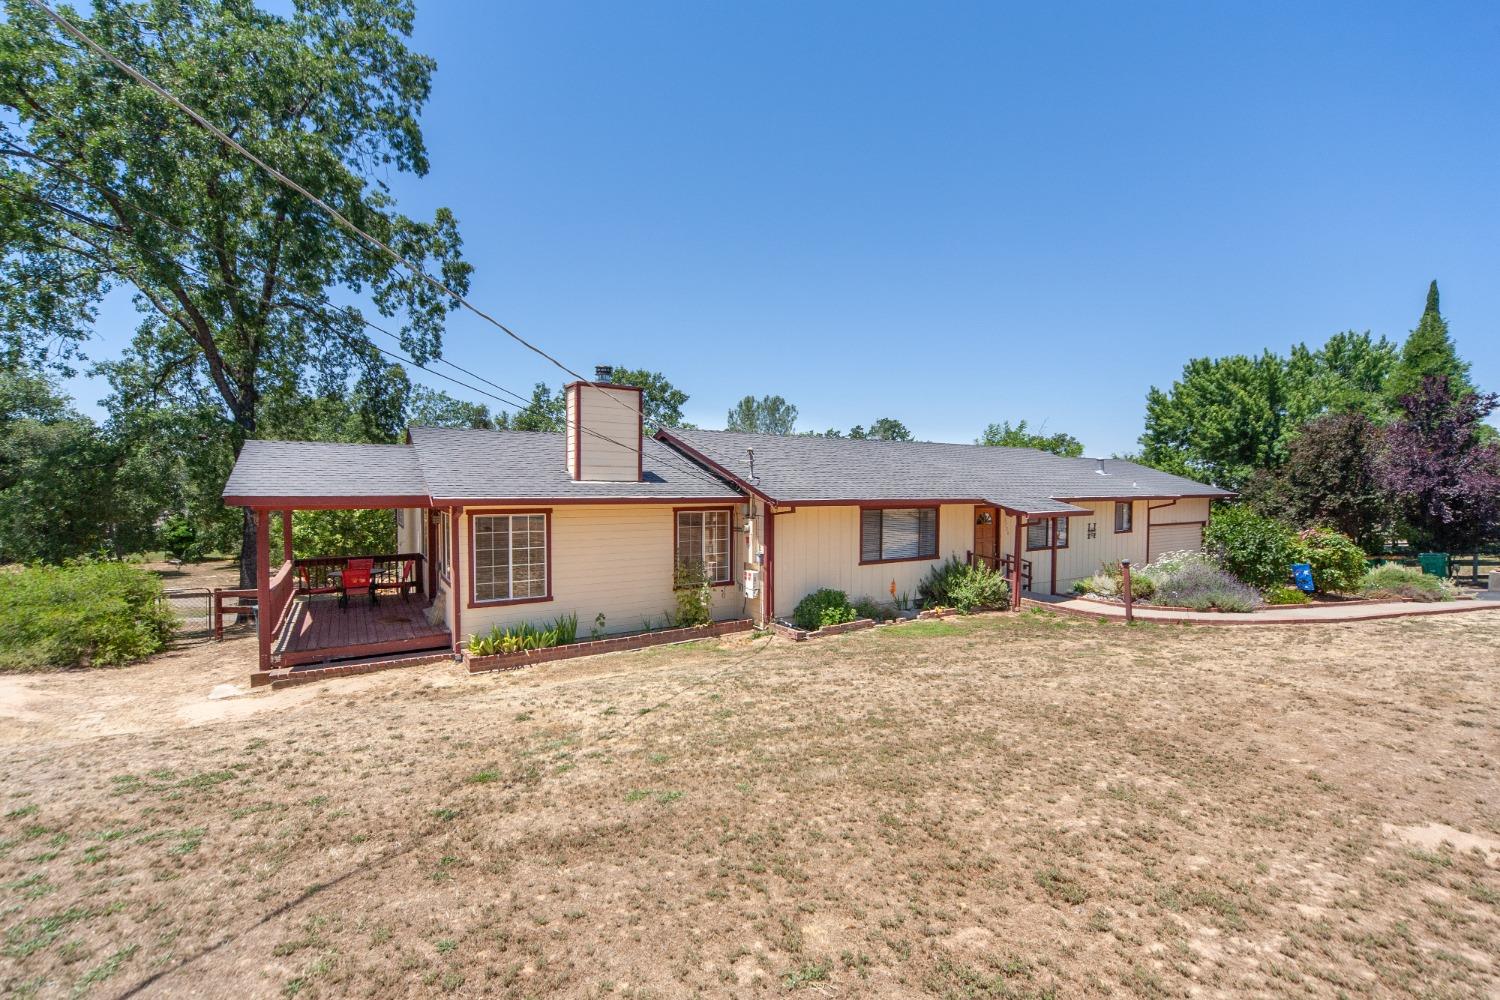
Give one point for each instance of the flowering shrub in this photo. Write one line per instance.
(1395, 580)
(1193, 580)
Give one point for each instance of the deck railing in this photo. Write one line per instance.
(316, 575)
(283, 587)
(1003, 564)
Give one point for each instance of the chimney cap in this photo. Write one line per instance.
(604, 373)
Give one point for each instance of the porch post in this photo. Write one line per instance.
(1015, 566)
(286, 535)
(263, 623)
(458, 589)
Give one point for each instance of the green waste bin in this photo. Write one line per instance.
(1434, 563)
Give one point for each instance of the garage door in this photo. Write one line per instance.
(1175, 538)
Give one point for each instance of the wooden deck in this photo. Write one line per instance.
(318, 630)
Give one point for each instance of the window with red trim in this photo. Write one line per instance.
(703, 540)
(510, 556)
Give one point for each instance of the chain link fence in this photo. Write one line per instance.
(194, 610)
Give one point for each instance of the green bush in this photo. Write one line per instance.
(866, 607)
(1338, 564)
(1193, 580)
(1395, 580)
(85, 614)
(524, 635)
(822, 608)
(695, 597)
(979, 588)
(1286, 595)
(956, 584)
(1142, 584)
(1259, 550)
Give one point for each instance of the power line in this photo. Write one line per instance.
(288, 182)
(520, 404)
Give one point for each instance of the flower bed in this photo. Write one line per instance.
(787, 630)
(614, 644)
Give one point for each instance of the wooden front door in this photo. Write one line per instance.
(987, 536)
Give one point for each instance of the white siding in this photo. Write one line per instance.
(1083, 556)
(610, 558)
(819, 547)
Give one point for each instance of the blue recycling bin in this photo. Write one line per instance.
(1302, 577)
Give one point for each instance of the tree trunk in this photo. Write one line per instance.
(244, 420)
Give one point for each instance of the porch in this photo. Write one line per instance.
(315, 629)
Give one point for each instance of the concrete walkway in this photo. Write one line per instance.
(1306, 614)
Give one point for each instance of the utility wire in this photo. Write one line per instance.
(520, 403)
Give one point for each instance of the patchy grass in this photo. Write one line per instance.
(996, 806)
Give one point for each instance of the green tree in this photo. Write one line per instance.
(1220, 422)
(884, 429)
(662, 400)
(1006, 436)
(100, 180)
(433, 408)
(1348, 372)
(1428, 351)
(766, 415)
(546, 411)
(66, 488)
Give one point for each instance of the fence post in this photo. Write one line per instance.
(1125, 591)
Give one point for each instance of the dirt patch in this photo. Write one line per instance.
(1010, 806)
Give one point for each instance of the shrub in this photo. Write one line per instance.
(523, 636)
(979, 587)
(84, 614)
(936, 588)
(1286, 595)
(821, 608)
(1142, 585)
(866, 607)
(956, 584)
(1337, 563)
(1192, 580)
(694, 595)
(1258, 550)
(1395, 580)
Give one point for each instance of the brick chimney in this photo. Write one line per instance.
(605, 425)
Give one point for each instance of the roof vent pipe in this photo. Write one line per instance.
(604, 373)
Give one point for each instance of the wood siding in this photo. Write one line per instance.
(616, 558)
(819, 547)
(609, 441)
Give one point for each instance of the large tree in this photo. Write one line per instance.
(663, 401)
(766, 415)
(104, 184)
(1428, 351)
(1332, 477)
(1443, 466)
(884, 429)
(1006, 436)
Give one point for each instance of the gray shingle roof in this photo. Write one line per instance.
(463, 464)
(317, 469)
(801, 469)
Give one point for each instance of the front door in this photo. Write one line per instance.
(987, 535)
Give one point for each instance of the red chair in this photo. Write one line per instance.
(408, 580)
(357, 575)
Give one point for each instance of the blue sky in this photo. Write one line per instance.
(957, 214)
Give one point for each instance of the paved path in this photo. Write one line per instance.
(1296, 615)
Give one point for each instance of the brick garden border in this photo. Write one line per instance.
(1265, 609)
(798, 635)
(592, 647)
(310, 675)
(1437, 608)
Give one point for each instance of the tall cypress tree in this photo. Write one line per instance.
(1428, 351)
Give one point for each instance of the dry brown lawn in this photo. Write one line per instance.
(991, 807)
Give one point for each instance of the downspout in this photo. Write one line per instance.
(768, 592)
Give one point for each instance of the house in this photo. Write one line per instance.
(499, 527)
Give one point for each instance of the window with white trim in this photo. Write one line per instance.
(889, 534)
(510, 557)
(1124, 517)
(703, 540)
(445, 532)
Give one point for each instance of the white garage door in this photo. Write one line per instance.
(1175, 538)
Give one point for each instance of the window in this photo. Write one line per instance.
(510, 557)
(400, 518)
(445, 532)
(1045, 533)
(1124, 517)
(896, 533)
(703, 539)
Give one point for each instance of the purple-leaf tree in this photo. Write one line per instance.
(1443, 467)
